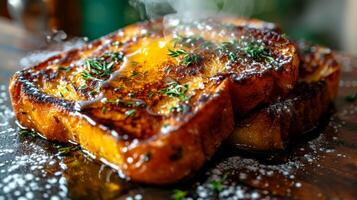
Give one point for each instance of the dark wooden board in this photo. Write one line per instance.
(321, 166)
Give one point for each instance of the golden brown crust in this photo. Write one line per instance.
(139, 132)
(161, 159)
(272, 127)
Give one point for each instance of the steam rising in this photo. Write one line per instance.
(179, 13)
(196, 9)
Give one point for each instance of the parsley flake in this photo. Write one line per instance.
(28, 133)
(188, 58)
(179, 195)
(216, 185)
(65, 150)
(174, 89)
(130, 113)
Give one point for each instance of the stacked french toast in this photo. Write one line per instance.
(155, 100)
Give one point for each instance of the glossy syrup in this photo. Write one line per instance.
(321, 166)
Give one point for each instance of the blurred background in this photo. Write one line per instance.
(328, 22)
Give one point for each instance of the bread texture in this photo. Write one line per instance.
(272, 127)
(154, 100)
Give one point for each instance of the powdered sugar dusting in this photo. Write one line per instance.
(24, 163)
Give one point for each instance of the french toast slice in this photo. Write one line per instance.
(271, 128)
(156, 99)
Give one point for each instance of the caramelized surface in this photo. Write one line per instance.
(156, 99)
(272, 127)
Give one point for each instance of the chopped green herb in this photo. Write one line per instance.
(351, 97)
(104, 109)
(256, 49)
(86, 75)
(27, 133)
(191, 59)
(128, 103)
(251, 47)
(167, 69)
(150, 94)
(269, 58)
(65, 150)
(92, 92)
(227, 47)
(179, 195)
(119, 88)
(176, 90)
(101, 67)
(216, 185)
(188, 58)
(177, 53)
(82, 87)
(232, 56)
(63, 68)
(130, 113)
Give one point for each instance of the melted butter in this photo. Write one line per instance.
(149, 55)
(144, 58)
(143, 67)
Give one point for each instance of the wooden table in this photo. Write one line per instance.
(324, 166)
